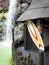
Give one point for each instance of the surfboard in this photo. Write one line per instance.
(35, 35)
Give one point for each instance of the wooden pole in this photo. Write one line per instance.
(13, 35)
(16, 60)
(31, 62)
(22, 62)
(28, 61)
(41, 58)
(25, 61)
(20, 58)
(25, 40)
(13, 56)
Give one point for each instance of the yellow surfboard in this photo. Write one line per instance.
(35, 35)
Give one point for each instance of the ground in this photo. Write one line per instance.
(5, 53)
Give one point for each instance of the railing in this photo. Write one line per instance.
(18, 59)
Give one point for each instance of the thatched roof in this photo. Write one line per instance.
(37, 9)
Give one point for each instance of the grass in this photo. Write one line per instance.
(1, 40)
(5, 56)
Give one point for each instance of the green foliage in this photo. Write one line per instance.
(3, 18)
(1, 40)
(4, 10)
(0, 11)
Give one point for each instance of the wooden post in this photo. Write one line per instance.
(16, 58)
(25, 30)
(25, 61)
(41, 58)
(13, 56)
(13, 35)
(13, 47)
(31, 62)
(22, 62)
(41, 53)
(20, 58)
(28, 61)
(13, 51)
(34, 64)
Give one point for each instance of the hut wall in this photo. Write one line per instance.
(28, 43)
